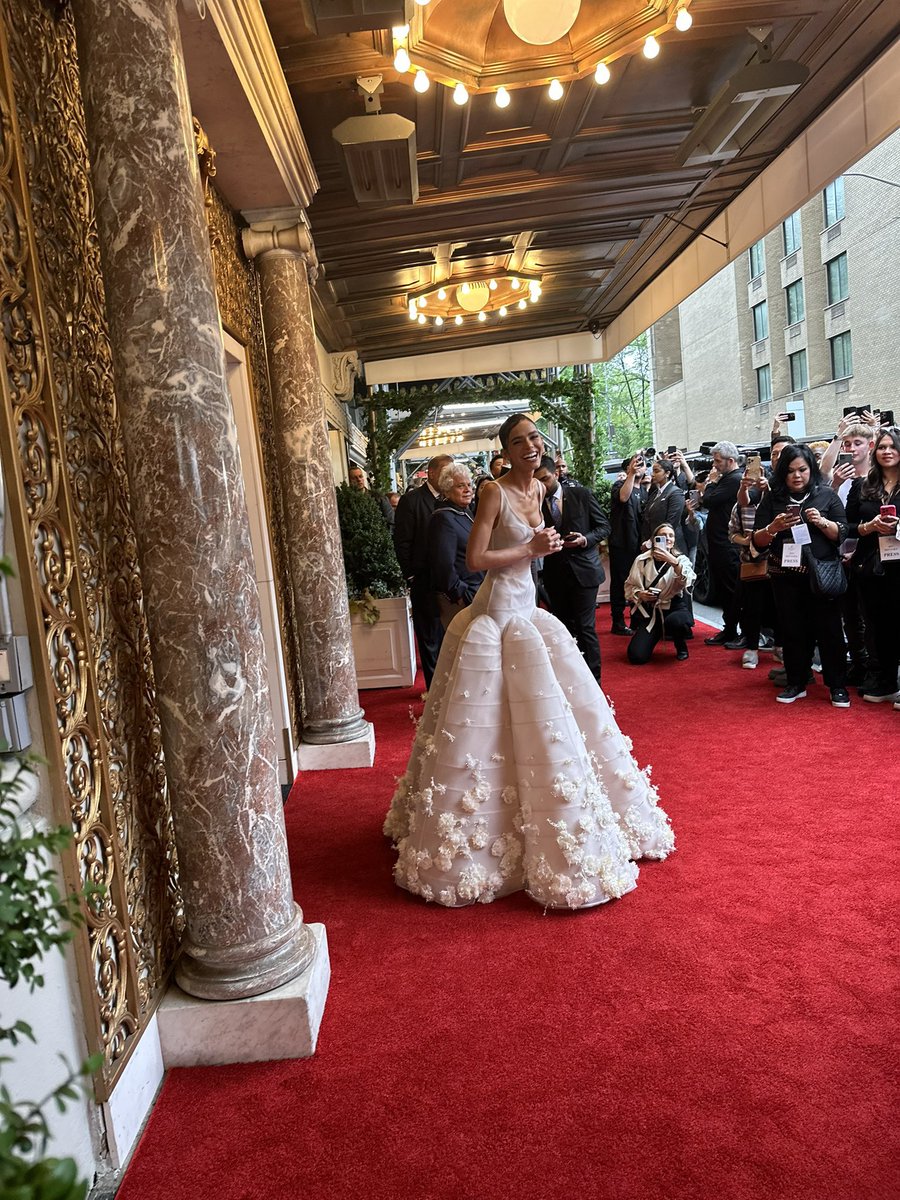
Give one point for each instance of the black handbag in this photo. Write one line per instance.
(827, 577)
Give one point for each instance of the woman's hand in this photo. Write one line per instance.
(544, 542)
(781, 523)
(881, 525)
(662, 555)
(646, 597)
(841, 474)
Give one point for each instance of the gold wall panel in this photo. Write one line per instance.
(237, 288)
(60, 426)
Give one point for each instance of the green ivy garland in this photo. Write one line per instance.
(568, 403)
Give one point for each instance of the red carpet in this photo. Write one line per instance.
(727, 1030)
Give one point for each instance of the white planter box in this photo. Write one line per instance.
(385, 652)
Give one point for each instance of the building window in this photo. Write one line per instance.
(760, 321)
(793, 295)
(836, 271)
(799, 373)
(834, 201)
(757, 260)
(764, 384)
(841, 356)
(790, 232)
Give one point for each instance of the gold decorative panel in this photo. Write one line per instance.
(72, 507)
(237, 289)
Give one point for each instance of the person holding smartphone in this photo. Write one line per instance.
(800, 513)
(664, 504)
(657, 590)
(626, 501)
(872, 508)
(572, 577)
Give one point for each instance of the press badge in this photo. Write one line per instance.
(792, 555)
(889, 549)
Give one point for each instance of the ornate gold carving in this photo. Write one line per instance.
(237, 289)
(206, 160)
(60, 408)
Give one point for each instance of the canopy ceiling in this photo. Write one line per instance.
(586, 192)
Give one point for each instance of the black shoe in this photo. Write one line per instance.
(681, 653)
(720, 638)
(840, 698)
(879, 695)
(791, 693)
(738, 644)
(620, 629)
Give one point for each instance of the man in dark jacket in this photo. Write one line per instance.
(411, 543)
(626, 503)
(572, 577)
(719, 498)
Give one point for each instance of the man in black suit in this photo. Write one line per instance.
(411, 522)
(719, 496)
(572, 577)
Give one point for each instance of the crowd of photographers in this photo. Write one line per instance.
(803, 552)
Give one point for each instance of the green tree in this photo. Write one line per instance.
(623, 397)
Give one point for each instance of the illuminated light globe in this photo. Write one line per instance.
(442, 293)
(503, 310)
(482, 316)
(422, 318)
(421, 82)
(651, 47)
(683, 21)
(492, 284)
(473, 296)
(601, 75)
(502, 98)
(400, 33)
(457, 320)
(422, 301)
(555, 90)
(401, 60)
(515, 284)
(541, 22)
(439, 321)
(460, 94)
(521, 304)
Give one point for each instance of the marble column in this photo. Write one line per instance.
(331, 711)
(244, 933)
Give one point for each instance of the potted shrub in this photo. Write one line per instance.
(380, 615)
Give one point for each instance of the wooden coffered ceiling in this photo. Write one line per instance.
(586, 191)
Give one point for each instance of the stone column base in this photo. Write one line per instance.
(338, 756)
(283, 1023)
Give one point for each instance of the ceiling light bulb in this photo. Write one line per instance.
(400, 33)
(651, 47)
(438, 321)
(422, 2)
(514, 284)
(457, 320)
(413, 312)
(401, 60)
(683, 21)
(422, 301)
(555, 91)
(493, 285)
(442, 294)
(460, 93)
(421, 82)
(503, 310)
(601, 75)
(502, 98)
(534, 297)
(482, 316)
(421, 318)
(465, 289)
(523, 304)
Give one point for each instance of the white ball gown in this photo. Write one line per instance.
(519, 776)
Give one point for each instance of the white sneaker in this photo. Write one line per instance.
(750, 660)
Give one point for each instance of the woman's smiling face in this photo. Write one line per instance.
(525, 444)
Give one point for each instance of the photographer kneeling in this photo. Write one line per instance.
(655, 589)
(801, 523)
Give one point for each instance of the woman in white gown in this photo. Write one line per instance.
(519, 776)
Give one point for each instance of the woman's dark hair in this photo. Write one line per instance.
(788, 454)
(668, 468)
(871, 486)
(509, 425)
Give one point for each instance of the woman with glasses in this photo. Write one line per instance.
(872, 507)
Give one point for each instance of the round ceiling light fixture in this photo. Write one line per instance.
(538, 22)
(473, 296)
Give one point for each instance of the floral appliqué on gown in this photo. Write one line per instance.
(519, 776)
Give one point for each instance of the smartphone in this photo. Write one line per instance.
(844, 460)
(854, 411)
(754, 467)
(792, 510)
(787, 416)
(672, 450)
(694, 496)
(662, 541)
(571, 537)
(887, 418)
(888, 510)
(650, 452)
(652, 591)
